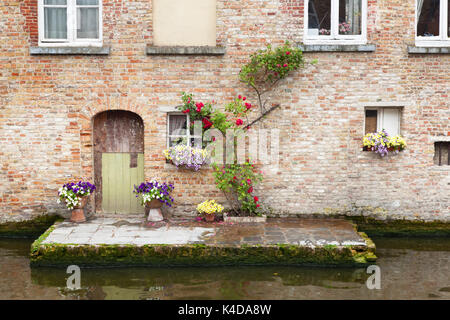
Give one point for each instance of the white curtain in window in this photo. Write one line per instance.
(353, 12)
(87, 23)
(177, 125)
(419, 9)
(55, 23)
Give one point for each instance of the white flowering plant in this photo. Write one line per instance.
(71, 193)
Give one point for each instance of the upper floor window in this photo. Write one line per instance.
(378, 119)
(335, 21)
(70, 22)
(433, 23)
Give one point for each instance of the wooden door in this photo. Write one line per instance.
(118, 161)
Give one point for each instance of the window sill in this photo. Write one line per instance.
(183, 50)
(428, 50)
(70, 50)
(337, 47)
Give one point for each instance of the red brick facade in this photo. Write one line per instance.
(47, 103)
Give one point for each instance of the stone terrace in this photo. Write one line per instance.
(128, 240)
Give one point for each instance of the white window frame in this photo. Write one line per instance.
(380, 117)
(335, 37)
(71, 40)
(443, 40)
(188, 134)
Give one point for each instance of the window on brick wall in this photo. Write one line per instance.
(180, 130)
(432, 22)
(378, 119)
(70, 22)
(184, 23)
(441, 153)
(335, 22)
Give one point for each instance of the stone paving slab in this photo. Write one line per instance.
(314, 232)
(184, 238)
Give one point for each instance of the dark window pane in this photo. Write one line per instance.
(428, 18)
(371, 121)
(319, 17)
(350, 17)
(441, 153)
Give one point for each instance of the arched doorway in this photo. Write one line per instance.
(118, 161)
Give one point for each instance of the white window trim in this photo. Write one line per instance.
(188, 134)
(71, 40)
(380, 117)
(440, 41)
(335, 38)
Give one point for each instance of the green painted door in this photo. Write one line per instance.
(120, 173)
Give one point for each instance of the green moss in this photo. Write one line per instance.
(401, 228)
(193, 255)
(28, 228)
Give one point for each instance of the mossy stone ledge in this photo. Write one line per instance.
(199, 254)
(27, 228)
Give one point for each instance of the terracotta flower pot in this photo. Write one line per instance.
(78, 211)
(154, 207)
(210, 217)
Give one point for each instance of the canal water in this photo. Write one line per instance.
(409, 269)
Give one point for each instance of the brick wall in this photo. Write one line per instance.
(47, 104)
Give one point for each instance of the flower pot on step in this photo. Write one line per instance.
(78, 211)
(153, 211)
(210, 217)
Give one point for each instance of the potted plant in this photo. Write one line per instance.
(187, 157)
(153, 196)
(75, 197)
(209, 209)
(381, 143)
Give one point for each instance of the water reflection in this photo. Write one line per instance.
(410, 269)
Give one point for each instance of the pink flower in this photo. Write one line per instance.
(288, 53)
(285, 65)
(248, 105)
(250, 190)
(243, 98)
(239, 97)
(249, 181)
(239, 122)
(186, 111)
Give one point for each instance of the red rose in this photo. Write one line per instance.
(239, 97)
(239, 122)
(250, 190)
(256, 199)
(248, 105)
(199, 106)
(243, 98)
(186, 111)
(257, 205)
(206, 123)
(288, 53)
(234, 178)
(249, 181)
(285, 65)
